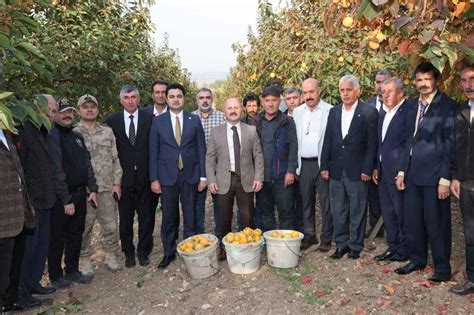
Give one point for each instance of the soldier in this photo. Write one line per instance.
(100, 141)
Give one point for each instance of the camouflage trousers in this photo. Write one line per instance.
(107, 216)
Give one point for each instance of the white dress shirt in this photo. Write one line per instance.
(155, 112)
(3, 139)
(173, 121)
(388, 117)
(230, 142)
(126, 117)
(311, 131)
(471, 105)
(378, 103)
(346, 118)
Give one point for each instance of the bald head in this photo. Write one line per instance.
(311, 95)
(232, 110)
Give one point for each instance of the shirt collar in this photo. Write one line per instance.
(353, 108)
(315, 109)
(127, 114)
(155, 112)
(173, 115)
(385, 108)
(471, 103)
(229, 125)
(430, 97)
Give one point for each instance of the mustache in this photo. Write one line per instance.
(468, 90)
(233, 114)
(310, 99)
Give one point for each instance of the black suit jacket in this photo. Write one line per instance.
(133, 159)
(355, 154)
(463, 162)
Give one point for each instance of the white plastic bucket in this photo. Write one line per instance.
(243, 258)
(201, 264)
(282, 252)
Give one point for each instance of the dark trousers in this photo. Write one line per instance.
(466, 203)
(298, 222)
(391, 202)
(311, 182)
(226, 206)
(273, 194)
(373, 204)
(6, 257)
(257, 216)
(201, 212)
(66, 236)
(348, 201)
(428, 221)
(144, 202)
(36, 252)
(14, 277)
(170, 196)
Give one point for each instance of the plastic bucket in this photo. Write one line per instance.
(201, 264)
(282, 252)
(243, 258)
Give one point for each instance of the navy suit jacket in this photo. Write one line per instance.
(164, 150)
(355, 154)
(432, 147)
(149, 109)
(391, 149)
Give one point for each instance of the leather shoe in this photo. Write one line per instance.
(385, 256)
(130, 261)
(26, 303)
(463, 289)
(408, 268)
(339, 253)
(143, 260)
(325, 246)
(308, 242)
(6, 308)
(354, 254)
(40, 290)
(440, 277)
(166, 261)
(398, 257)
(222, 255)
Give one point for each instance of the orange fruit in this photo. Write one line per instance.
(347, 22)
(295, 234)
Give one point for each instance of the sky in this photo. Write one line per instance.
(204, 30)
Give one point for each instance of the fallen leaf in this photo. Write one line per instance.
(307, 279)
(386, 270)
(344, 302)
(319, 294)
(428, 269)
(358, 265)
(442, 308)
(425, 283)
(404, 46)
(359, 310)
(471, 298)
(389, 289)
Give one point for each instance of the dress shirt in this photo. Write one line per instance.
(390, 113)
(3, 139)
(230, 142)
(427, 101)
(155, 112)
(173, 122)
(378, 103)
(346, 118)
(126, 117)
(215, 118)
(311, 132)
(471, 105)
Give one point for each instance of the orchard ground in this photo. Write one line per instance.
(318, 285)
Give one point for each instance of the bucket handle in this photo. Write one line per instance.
(196, 265)
(291, 250)
(244, 263)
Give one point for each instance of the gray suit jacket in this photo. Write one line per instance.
(218, 160)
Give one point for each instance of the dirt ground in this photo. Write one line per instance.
(319, 285)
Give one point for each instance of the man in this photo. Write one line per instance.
(158, 94)
(279, 144)
(100, 141)
(73, 174)
(132, 129)
(426, 173)
(210, 118)
(38, 167)
(177, 168)
(373, 202)
(311, 120)
(277, 83)
(391, 141)
(251, 103)
(234, 166)
(15, 214)
(347, 161)
(292, 97)
(462, 185)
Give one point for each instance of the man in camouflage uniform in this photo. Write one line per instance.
(100, 141)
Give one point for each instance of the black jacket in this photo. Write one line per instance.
(38, 165)
(463, 162)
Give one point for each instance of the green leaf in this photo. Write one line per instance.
(439, 62)
(451, 54)
(5, 41)
(20, 57)
(436, 50)
(5, 94)
(30, 48)
(6, 119)
(367, 9)
(469, 14)
(27, 20)
(426, 36)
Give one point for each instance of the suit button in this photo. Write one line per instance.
(343, 147)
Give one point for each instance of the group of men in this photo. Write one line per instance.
(393, 156)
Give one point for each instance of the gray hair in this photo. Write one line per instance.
(292, 90)
(204, 89)
(352, 79)
(49, 98)
(128, 88)
(398, 83)
(385, 72)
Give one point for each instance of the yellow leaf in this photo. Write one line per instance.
(389, 289)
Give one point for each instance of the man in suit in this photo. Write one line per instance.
(234, 168)
(391, 141)
(132, 129)
(15, 214)
(292, 97)
(158, 94)
(311, 120)
(347, 161)
(177, 168)
(462, 185)
(373, 201)
(426, 173)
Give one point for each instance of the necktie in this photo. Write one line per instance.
(177, 131)
(131, 131)
(422, 108)
(235, 138)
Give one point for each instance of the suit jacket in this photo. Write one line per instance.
(391, 149)
(218, 160)
(432, 147)
(372, 102)
(165, 151)
(133, 159)
(463, 163)
(355, 154)
(298, 117)
(149, 108)
(15, 211)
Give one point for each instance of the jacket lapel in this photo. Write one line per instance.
(380, 124)
(338, 117)
(466, 112)
(431, 109)
(121, 128)
(355, 120)
(243, 138)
